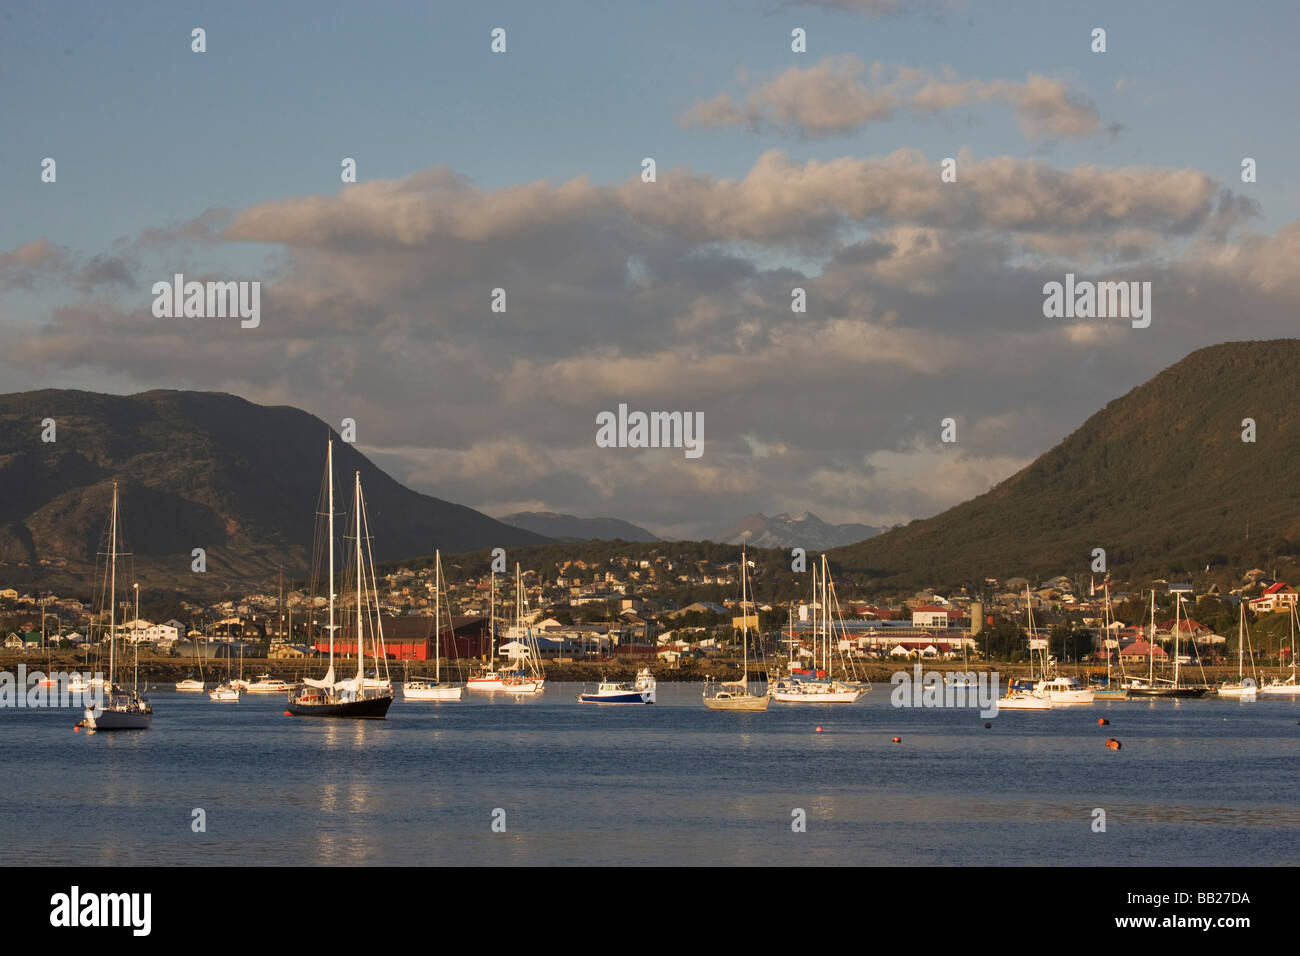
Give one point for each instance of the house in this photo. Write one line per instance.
(1141, 651)
(1278, 597)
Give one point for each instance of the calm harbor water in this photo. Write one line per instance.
(1196, 783)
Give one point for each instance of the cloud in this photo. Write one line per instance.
(924, 302)
(840, 94)
(40, 263)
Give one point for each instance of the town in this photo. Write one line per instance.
(664, 603)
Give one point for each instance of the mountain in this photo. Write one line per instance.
(195, 469)
(806, 531)
(570, 528)
(1160, 478)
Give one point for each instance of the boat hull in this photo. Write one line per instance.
(628, 697)
(1280, 690)
(749, 703)
(822, 697)
(117, 720)
(1174, 692)
(373, 708)
(435, 692)
(1024, 703)
(1110, 694)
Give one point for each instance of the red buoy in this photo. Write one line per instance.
(819, 728)
(898, 740)
(1113, 744)
(1102, 721)
(288, 713)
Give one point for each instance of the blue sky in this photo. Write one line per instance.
(149, 135)
(146, 131)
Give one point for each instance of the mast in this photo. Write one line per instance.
(1241, 643)
(492, 620)
(744, 622)
(1151, 644)
(112, 588)
(361, 657)
(437, 615)
(329, 470)
(135, 643)
(826, 624)
(1178, 601)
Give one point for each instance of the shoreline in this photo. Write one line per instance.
(168, 670)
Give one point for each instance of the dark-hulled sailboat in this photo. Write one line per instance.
(1164, 687)
(118, 709)
(350, 697)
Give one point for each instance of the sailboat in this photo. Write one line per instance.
(524, 676)
(485, 676)
(1244, 688)
(190, 684)
(350, 697)
(1112, 690)
(1026, 699)
(120, 710)
(1284, 687)
(735, 695)
(1164, 686)
(226, 692)
(812, 688)
(420, 689)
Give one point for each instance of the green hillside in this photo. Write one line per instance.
(1160, 478)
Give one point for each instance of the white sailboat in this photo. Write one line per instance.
(1243, 688)
(1027, 699)
(120, 709)
(735, 695)
(225, 692)
(798, 688)
(1112, 690)
(190, 684)
(1285, 687)
(484, 678)
(525, 675)
(420, 689)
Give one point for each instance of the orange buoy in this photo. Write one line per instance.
(1102, 722)
(1113, 744)
(76, 728)
(288, 713)
(819, 728)
(898, 740)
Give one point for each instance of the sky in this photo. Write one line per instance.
(774, 170)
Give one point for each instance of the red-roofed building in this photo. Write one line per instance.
(1279, 597)
(1141, 651)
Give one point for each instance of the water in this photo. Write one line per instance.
(1196, 783)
